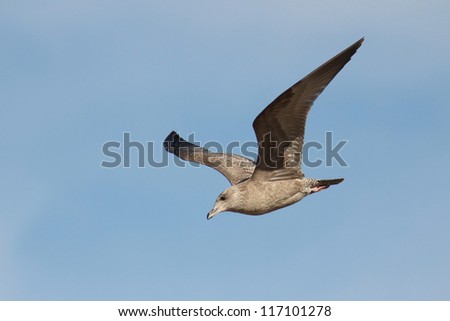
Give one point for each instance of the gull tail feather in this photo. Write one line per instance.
(321, 184)
(328, 182)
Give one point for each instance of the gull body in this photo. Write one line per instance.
(255, 197)
(275, 180)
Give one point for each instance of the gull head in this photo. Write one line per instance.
(228, 200)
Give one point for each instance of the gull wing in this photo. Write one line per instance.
(235, 168)
(280, 127)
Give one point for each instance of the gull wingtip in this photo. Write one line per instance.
(171, 140)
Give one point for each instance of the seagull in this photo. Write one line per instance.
(276, 179)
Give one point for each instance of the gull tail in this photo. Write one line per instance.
(328, 182)
(321, 184)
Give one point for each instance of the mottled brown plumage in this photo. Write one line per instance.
(276, 179)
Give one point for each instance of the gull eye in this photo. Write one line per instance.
(222, 198)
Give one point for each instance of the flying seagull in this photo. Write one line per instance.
(275, 180)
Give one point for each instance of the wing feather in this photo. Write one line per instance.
(235, 168)
(280, 127)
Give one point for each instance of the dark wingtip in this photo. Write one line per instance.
(353, 48)
(171, 141)
(359, 43)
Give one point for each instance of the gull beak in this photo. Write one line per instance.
(213, 212)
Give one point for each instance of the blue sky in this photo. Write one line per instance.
(74, 75)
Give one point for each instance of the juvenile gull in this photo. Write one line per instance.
(276, 179)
